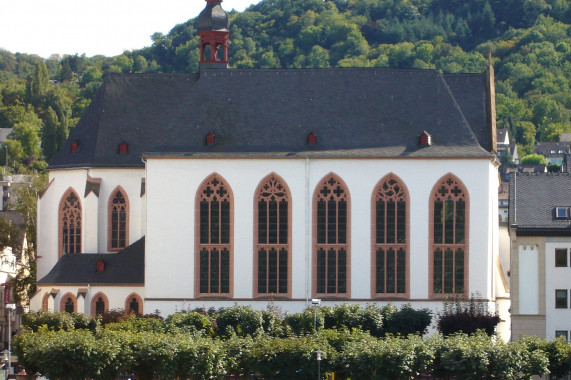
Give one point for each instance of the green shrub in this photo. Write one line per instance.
(239, 320)
(406, 320)
(59, 321)
(189, 322)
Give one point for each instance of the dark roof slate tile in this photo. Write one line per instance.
(124, 267)
(358, 112)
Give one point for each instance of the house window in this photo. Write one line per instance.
(70, 223)
(561, 299)
(272, 237)
(560, 257)
(210, 139)
(214, 237)
(118, 233)
(449, 226)
(331, 256)
(74, 146)
(390, 248)
(562, 334)
(561, 212)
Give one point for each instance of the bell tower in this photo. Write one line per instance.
(213, 29)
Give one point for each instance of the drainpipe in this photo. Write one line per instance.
(307, 233)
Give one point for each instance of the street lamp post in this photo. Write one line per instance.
(9, 307)
(319, 352)
(315, 302)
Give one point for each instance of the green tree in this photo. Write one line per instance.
(533, 159)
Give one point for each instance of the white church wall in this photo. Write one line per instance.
(94, 210)
(170, 219)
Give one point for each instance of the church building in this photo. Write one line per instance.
(279, 186)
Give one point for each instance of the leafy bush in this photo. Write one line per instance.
(59, 321)
(189, 322)
(239, 320)
(467, 317)
(406, 320)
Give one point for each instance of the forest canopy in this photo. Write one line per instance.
(529, 41)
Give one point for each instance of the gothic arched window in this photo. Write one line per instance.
(70, 223)
(390, 232)
(272, 249)
(449, 228)
(68, 303)
(118, 222)
(214, 237)
(331, 256)
(99, 304)
(134, 304)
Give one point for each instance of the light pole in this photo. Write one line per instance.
(319, 352)
(316, 302)
(9, 307)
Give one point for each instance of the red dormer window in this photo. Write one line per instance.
(210, 139)
(425, 139)
(123, 148)
(74, 146)
(312, 139)
(100, 266)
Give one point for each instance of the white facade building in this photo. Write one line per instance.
(273, 186)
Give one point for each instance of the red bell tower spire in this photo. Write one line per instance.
(213, 29)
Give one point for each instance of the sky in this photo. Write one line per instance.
(93, 27)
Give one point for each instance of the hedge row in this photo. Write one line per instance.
(245, 321)
(109, 353)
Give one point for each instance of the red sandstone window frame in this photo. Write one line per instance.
(94, 301)
(45, 301)
(64, 299)
(128, 303)
(208, 191)
(275, 188)
(455, 187)
(390, 188)
(112, 225)
(63, 215)
(331, 187)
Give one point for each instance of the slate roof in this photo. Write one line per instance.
(355, 112)
(533, 199)
(124, 267)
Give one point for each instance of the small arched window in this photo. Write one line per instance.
(449, 226)
(99, 304)
(74, 146)
(312, 139)
(68, 303)
(123, 148)
(331, 255)
(206, 52)
(118, 232)
(210, 139)
(70, 223)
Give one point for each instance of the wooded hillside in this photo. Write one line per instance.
(530, 42)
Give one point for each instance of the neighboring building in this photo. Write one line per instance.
(540, 232)
(7, 186)
(273, 186)
(12, 259)
(554, 152)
